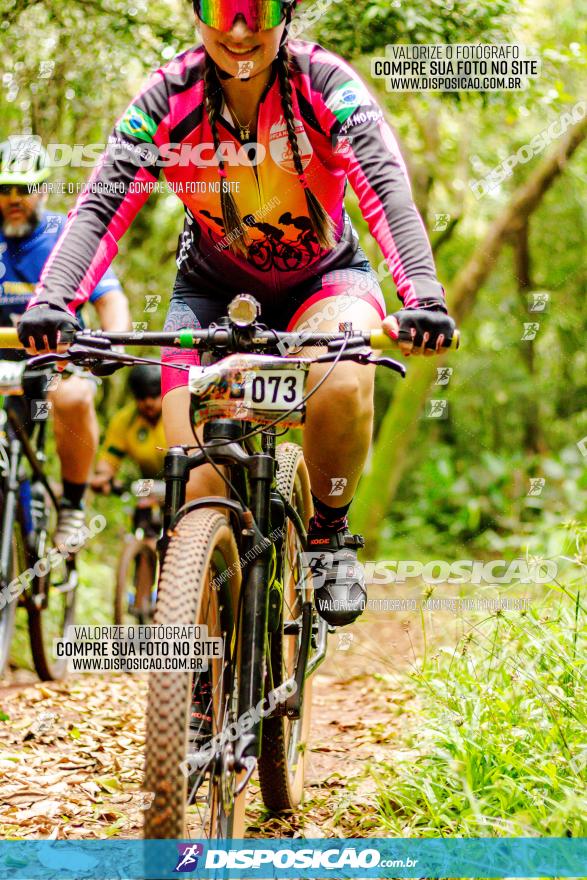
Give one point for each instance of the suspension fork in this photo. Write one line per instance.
(176, 471)
(255, 605)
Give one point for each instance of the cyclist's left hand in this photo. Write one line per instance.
(419, 331)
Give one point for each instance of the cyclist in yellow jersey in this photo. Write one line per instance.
(136, 431)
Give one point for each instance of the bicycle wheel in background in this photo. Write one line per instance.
(18, 564)
(284, 741)
(135, 582)
(199, 584)
(52, 599)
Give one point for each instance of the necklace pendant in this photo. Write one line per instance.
(244, 134)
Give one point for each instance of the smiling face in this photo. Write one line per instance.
(231, 49)
(20, 212)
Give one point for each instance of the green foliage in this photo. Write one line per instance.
(373, 24)
(504, 751)
(484, 505)
(71, 69)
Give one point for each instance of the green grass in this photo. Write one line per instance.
(499, 728)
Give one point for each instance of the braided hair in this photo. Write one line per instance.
(321, 220)
(231, 217)
(233, 222)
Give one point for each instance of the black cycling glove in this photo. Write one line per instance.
(432, 319)
(49, 321)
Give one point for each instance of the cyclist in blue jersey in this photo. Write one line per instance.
(28, 234)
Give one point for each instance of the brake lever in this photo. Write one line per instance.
(43, 360)
(74, 354)
(81, 354)
(389, 363)
(363, 356)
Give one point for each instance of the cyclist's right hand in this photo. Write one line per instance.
(45, 328)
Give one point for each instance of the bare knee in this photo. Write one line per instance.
(347, 394)
(73, 398)
(203, 480)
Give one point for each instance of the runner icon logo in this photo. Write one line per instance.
(187, 858)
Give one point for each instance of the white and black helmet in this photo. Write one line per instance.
(23, 160)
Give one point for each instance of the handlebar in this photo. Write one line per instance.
(217, 336)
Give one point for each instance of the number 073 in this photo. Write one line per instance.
(279, 389)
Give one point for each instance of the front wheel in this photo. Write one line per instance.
(199, 584)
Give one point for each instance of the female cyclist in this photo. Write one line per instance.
(258, 136)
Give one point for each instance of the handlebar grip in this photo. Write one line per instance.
(380, 339)
(9, 338)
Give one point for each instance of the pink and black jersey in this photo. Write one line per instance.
(342, 135)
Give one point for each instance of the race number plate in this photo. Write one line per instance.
(250, 387)
(278, 390)
(11, 376)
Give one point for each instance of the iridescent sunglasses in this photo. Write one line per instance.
(260, 15)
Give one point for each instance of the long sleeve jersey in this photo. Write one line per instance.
(342, 136)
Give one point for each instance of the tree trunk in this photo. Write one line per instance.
(533, 437)
(400, 423)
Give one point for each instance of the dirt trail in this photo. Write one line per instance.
(71, 753)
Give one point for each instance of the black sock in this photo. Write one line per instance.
(73, 494)
(329, 519)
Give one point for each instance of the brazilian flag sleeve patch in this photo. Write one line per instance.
(138, 124)
(347, 98)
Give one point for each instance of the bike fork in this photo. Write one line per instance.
(255, 606)
(176, 474)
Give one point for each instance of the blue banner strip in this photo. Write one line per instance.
(254, 858)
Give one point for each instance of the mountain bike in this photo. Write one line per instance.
(33, 573)
(237, 565)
